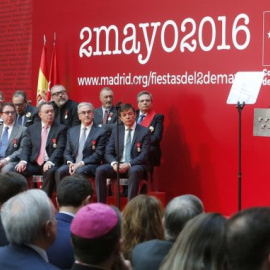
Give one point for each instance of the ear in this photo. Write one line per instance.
(57, 204)
(86, 201)
(48, 228)
(163, 222)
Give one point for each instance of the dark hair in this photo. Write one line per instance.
(97, 250)
(8, 104)
(144, 93)
(73, 189)
(126, 106)
(20, 93)
(248, 239)
(11, 184)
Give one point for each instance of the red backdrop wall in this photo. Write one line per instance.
(182, 49)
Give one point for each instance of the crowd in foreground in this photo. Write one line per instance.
(86, 235)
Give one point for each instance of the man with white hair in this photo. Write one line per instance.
(30, 226)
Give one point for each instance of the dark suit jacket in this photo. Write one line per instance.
(61, 253)
(3, 238)
(83, 267)
(68, 113)
(18, 133)
(156, 137)
(90, 155)
(31, 116)
(141, 136)
(150, 254)
(55, 154)
(22, 258)
(111, 120)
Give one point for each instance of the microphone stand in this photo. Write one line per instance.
(117, 107)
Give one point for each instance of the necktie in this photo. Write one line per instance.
(40, 158)
(105, 117)
(140, 118)
(19, 120)
(128, 146)
(81, 146)
(4, 143)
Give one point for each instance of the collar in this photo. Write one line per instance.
(88, 127)
(40, 251)
(132, 127)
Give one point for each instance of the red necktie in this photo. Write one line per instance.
(105, 117)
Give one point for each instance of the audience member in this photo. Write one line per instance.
(65, 109)
(96, 237)
(1, 105)
(13, 139)
(200, 245)
(85, 146)
(248, 240)
(142, 221)
(134, 147)
(73, 193)
(44, 151)
(10, 185)
(29, 222)
(26, 114)
(149, 254)
(106, 115)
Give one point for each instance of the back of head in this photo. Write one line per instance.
(178, 212)
(24, 216)
(248, 239)
(96, 233)
(11, 184)
(73, 190)
(200, 245)
(142, 221)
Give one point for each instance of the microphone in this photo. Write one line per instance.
(118, 104)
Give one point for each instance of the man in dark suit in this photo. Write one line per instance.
(29, 223)
(10, 185)
(26, 114)
(106, 115)
(43, 154)
(150, 254)
(13, 139)
(65, 109)
(134, 148)
(85, 146)
(147, 117)
(74, 192)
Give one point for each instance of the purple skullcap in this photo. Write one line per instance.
(94, 220)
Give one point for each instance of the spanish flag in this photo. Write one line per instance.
(42, 86)
(53, 77)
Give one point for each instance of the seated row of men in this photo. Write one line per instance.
(54, 150)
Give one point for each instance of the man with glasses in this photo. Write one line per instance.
(43, 154)
(13, 138)
(85, 146)
(65, 109)
(26, 114)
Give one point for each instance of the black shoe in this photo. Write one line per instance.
(124, 192)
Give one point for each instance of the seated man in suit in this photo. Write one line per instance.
(11, 184)
(43, 154)
(147, 117)
(65, 108)
(150, 254)
(74, 192)
(29, 223)
(134, 148)
(85, 146)
(13, 139)
(26, 114)
(106, 115)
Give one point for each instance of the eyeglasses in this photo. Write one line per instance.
(57, 94)
(9, 112)
(85, 112)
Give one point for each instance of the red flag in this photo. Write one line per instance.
(266, 38)
(53, 78)
(42, 75)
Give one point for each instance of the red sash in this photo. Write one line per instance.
(148, 119)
